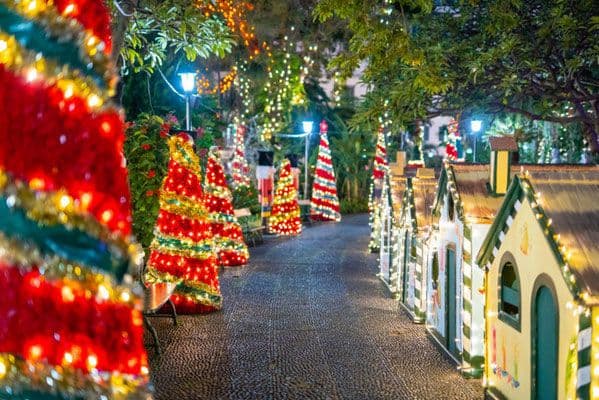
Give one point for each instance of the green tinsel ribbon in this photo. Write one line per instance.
(36, 395)
(180, 245)
(34, 37)
(72, 244)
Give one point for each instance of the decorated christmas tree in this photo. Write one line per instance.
(182, 251)
(240, 168)
(380, 169)
(325, 204)
(285, 215)
(228, 236)
(70, 317)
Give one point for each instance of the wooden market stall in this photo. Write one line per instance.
(468, 198)
(413, 233)
(541, 263)
(393, 190)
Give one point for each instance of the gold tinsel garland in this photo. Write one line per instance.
(33, 67)
(58, 208)
(91, 48)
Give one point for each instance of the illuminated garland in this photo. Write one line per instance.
(325, 203)
(235, 15)
(285, 215)
(227, 232)
(72, 323)
(283, 90)
(204, 86)
(182, 251)
(243, 85)
(75, 46)
(381, 168)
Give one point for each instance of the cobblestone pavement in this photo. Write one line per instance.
(307, 319)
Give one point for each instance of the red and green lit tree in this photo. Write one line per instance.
(285, 215)
(325, 203)
(70, 320)
(182, 251)
(228, 236)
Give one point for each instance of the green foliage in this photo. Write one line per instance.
(354, 206)
(352, 153)
(536, 58)
(147, 157)
(246, 197)
(160, 30)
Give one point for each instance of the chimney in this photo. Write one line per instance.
(502, 148)
(397, 168)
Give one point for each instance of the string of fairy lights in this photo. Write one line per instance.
(278, 86)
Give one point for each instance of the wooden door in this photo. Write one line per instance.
(545, 342)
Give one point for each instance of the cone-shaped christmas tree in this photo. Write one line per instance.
(381, 167)
(182, 251)
(285, 215)
(70, 323)
(381, 164)
(325, 203)
(228, 236)
(240, 166)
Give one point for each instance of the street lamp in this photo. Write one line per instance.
(188, 83)
(475, 125)
(308, 126)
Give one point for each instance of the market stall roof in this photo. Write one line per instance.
(419, 199)
(569, 196)
(565, 199)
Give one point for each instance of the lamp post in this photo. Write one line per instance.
(475, 126)
(308, 126)
(188, 84)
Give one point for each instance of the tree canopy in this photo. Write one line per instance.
(150, 32)
(537, 58)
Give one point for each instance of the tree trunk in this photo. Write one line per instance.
(120, 23)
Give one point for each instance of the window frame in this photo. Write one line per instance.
(511, 320)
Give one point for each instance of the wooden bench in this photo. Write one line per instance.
(252, 234)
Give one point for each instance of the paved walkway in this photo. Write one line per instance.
(307, 319)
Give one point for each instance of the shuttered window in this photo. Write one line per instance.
(510, 293)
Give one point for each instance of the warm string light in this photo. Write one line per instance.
(338, 84)
(224, 85)
(243, 86)
(284, 88)
(235, 15)
(380, 170)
